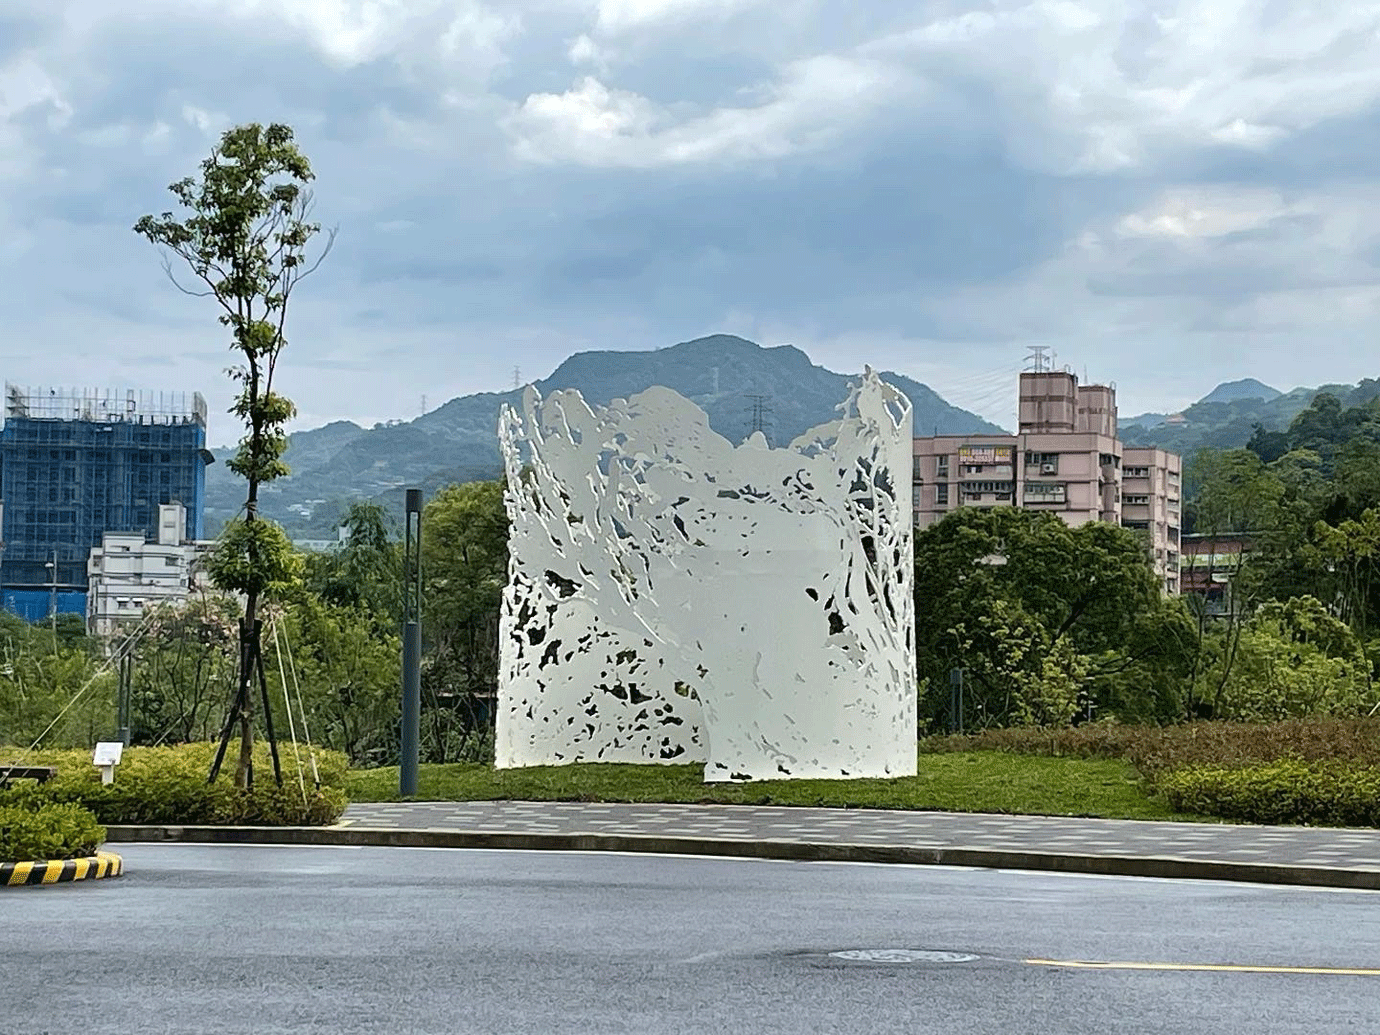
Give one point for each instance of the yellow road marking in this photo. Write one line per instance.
(1211, 968)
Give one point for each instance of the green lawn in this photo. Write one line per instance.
(973, 782)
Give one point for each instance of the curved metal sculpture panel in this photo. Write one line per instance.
(674, 598)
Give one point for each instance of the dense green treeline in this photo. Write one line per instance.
(1054, 625)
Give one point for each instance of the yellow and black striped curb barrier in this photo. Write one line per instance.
(62, 871)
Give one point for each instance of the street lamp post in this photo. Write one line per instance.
(411, 647)
(52, 595)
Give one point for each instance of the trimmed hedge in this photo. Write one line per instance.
(50, 832)
(1158, 749)
(1287, 791)
(168, 785)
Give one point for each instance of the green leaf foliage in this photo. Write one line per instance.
(168, 785)
(254, 557)
(366, 571)
(48, 832)
(1286, 791)
(1046, 620)
(1293, 659)
(347, 669)
(52, 685)
(465, 570)
(183, 671)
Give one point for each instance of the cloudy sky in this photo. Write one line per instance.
(1169, 192)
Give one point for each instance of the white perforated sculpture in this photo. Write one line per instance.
(674, 598)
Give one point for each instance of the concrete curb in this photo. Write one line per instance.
(61, 871)
(805, 851)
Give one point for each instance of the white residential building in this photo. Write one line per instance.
(127, 575)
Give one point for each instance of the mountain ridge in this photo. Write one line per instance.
(342, 462)
(1226, 417)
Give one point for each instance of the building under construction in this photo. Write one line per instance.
(77, 463)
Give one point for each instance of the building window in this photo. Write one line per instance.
(941, 466)
(1137, 472)
(1001, 489)
(941, 494)
(1138, 501)
(1046, 492)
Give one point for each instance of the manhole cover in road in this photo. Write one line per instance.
(903, 956)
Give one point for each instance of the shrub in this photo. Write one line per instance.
(168, 785)
(1354, 742)
(1293, 659)
(1154, 750)
(1285, 791)
(50, 832)
(1092, 740)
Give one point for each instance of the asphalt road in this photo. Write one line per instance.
(342, 940)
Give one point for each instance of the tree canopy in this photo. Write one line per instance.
(244, 235)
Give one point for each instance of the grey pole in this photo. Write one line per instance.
(411, 647)
(122, 702)
(956, 699)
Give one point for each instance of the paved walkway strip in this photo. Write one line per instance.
(1279, 855)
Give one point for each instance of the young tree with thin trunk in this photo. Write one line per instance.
(246, 235)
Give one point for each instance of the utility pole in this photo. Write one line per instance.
(411, 647)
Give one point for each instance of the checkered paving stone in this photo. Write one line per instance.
(1349, 849)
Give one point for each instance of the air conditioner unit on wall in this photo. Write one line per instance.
(1049, 468)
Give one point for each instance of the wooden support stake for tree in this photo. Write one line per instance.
(268, 709)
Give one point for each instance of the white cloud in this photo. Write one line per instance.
(1201, 213)
(354, 32)
(615, 17)
(583, 51)
(814, 103)
(587, 123)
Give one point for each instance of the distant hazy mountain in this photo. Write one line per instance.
(342, 462)
(1237, 391)
(1227, 416)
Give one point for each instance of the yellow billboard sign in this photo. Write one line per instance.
(986, 454)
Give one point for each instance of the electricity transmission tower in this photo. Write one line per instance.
(761, 414)
(1039, 361)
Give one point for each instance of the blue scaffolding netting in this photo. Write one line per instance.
(77, 463)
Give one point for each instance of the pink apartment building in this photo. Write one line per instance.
(1065, 459)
